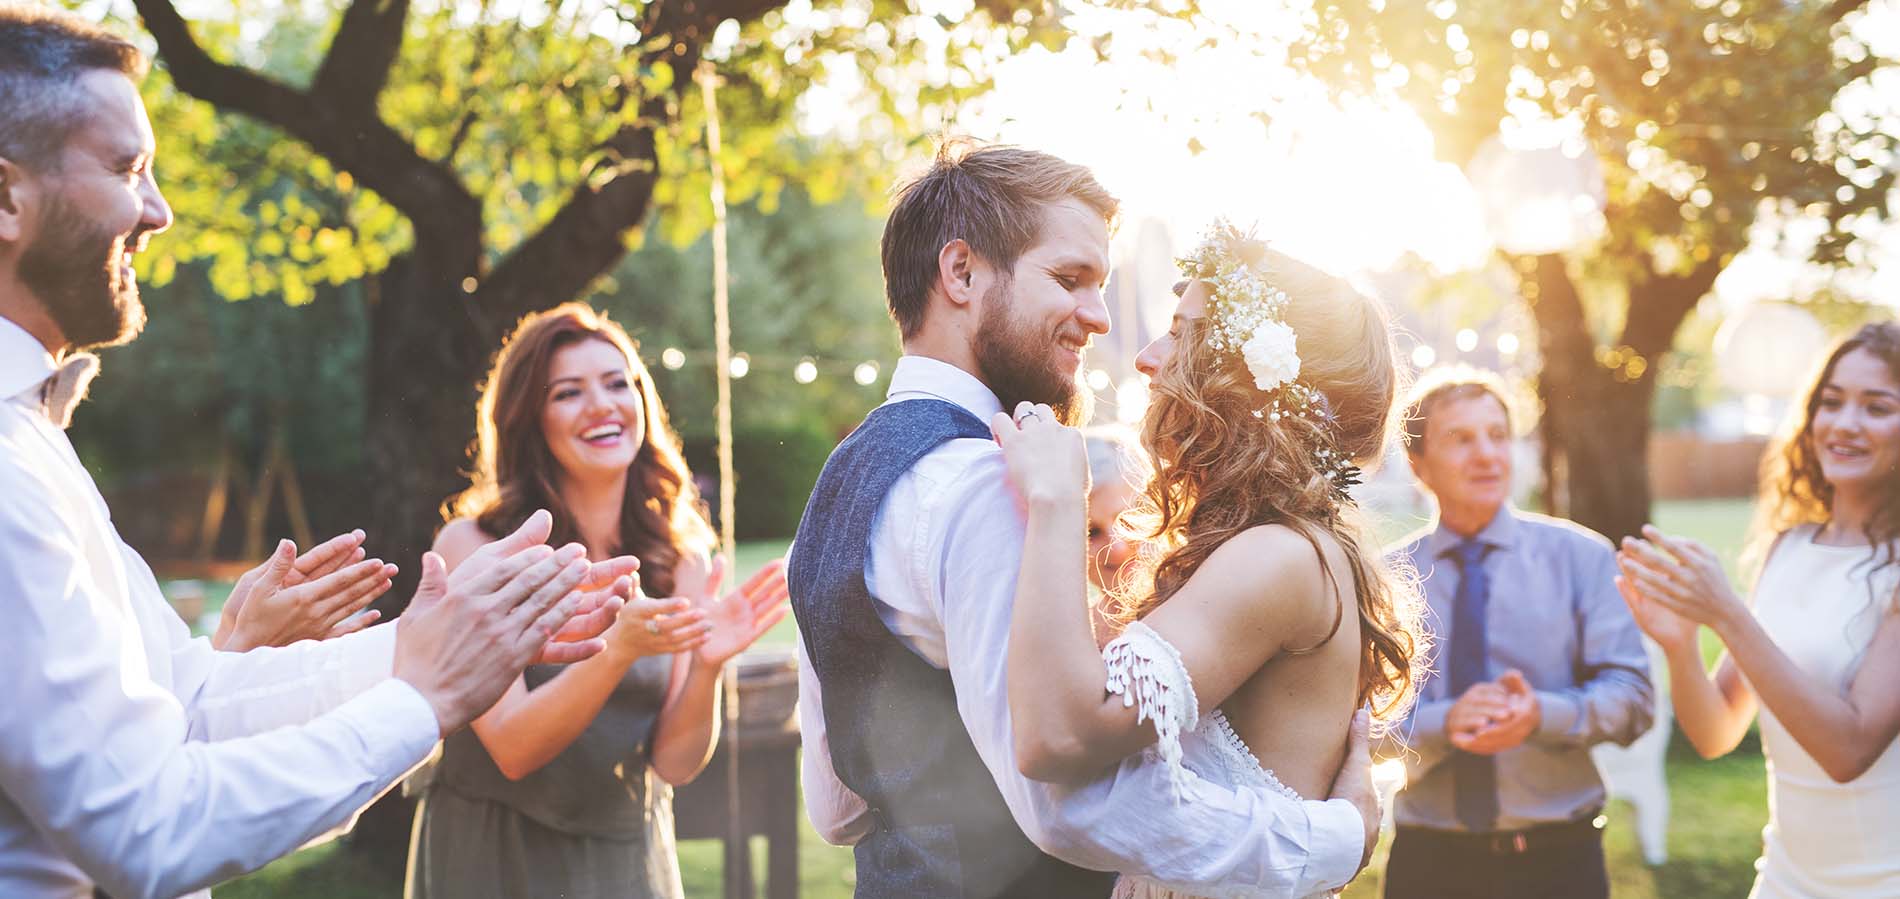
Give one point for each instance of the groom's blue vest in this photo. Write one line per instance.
(939, 827)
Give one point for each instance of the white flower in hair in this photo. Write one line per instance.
(1272, 355)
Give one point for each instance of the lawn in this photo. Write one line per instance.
(1719, 807)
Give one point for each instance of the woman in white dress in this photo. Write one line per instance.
(1260, 617)
(1820, 652)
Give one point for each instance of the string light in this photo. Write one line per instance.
(805, 370)
(1467, 340)
(1507, 344)
(1423, 356)
(1099, 379)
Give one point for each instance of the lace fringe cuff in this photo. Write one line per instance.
(1146, 672)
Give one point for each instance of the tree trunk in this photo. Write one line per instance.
(1597, 399)
(1596, 433)
(1596, 417)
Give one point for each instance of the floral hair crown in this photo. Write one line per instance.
(1246, 316)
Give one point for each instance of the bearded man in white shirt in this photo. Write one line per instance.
(133, 758)
(904, 572)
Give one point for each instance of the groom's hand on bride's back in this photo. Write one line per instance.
(1354, 781)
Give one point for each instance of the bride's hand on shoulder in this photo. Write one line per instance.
(1047, 460)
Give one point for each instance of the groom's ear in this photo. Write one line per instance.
(962, 275)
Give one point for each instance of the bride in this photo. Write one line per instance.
(1261, 616)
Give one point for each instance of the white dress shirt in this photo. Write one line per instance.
(133, 756)
(942, 566)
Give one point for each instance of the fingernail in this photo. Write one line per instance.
(572, 551)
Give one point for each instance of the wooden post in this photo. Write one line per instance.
(738, 855)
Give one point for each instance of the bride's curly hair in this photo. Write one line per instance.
(1794, 491)
(1220, 470)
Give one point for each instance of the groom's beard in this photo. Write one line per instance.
(1016, 363)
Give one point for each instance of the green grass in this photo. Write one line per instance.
(1719, 807)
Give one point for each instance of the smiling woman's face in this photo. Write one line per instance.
(1856, 427)
(592, 418)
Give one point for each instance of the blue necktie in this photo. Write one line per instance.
(1474, 777)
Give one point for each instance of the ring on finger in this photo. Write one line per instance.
(653, 625)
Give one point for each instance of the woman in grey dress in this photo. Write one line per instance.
(564, 788)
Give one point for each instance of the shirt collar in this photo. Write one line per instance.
(1501, 533)
(24, 362)
(921, 376)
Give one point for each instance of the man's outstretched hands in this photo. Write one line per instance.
(293, 597)
(515, 601)
(1353, 783)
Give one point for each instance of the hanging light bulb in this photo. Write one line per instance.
(1099, 379)
(865, 374)
(740, 366)
(806, 371)
(672, 358)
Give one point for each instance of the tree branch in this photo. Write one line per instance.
(1658, 305)
(585, 237)
(447, 218)
(357, 65)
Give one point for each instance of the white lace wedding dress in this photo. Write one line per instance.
(1146, 671)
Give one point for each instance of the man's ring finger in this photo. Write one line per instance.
(1027, 415)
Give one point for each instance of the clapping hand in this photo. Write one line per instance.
(742, 616)
(1673, 584)
(1494, 716)
(466, 637)
(308, 597)
(647, 627)
(605, 589)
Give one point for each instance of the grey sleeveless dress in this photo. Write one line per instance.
(595, 822)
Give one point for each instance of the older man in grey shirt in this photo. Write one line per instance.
(1538, 660)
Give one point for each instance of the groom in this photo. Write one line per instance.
(904, 570)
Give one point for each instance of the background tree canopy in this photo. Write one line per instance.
(462, 167)
(1708, 119)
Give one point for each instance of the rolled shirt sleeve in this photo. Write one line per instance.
(1613, 700)
(98, 756)
(236, 694)
(1216, 841)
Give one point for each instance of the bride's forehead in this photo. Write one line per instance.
(1193, 302)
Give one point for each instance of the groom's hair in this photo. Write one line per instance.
(43, 51)
(990, 197)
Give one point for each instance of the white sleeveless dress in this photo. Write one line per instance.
(1824, 838)
(1146, 671)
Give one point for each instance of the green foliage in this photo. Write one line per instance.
(521, 106)
(1701, 113)
(805, 281)
(774, 469)
(207, 370)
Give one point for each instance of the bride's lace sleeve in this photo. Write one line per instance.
(1145, 670)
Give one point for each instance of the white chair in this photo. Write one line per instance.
(1635, 772)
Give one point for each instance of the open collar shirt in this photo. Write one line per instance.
(134, 757)
(942, 566)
